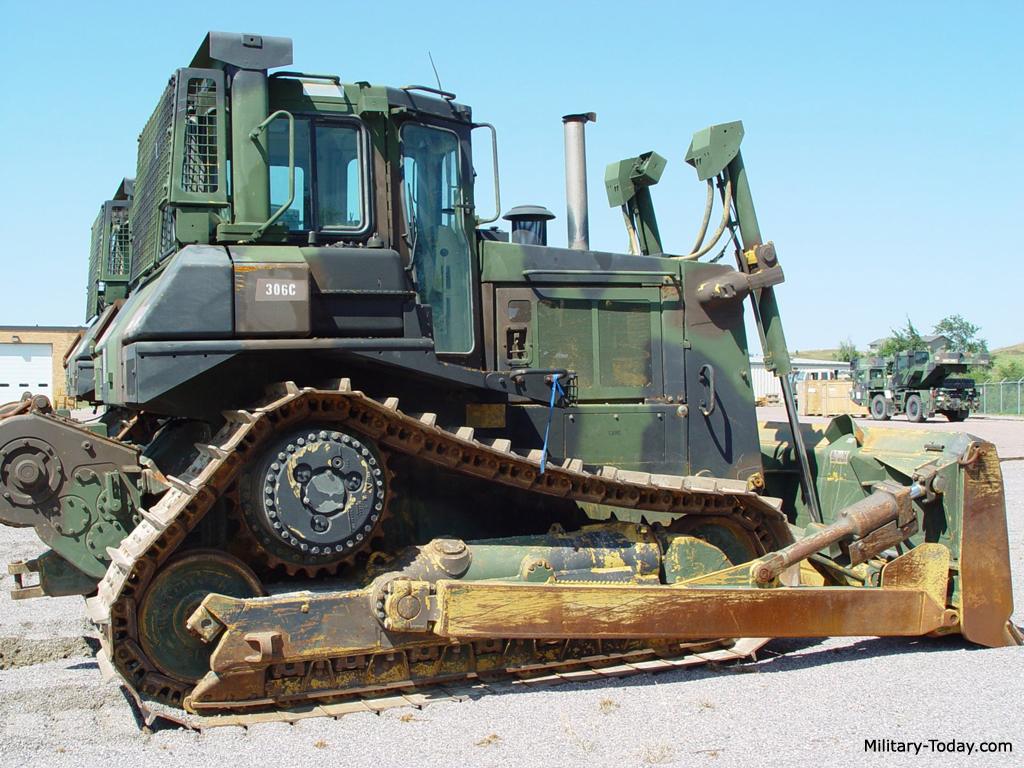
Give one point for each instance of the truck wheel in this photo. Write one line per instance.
(915, 410)
(879, 411)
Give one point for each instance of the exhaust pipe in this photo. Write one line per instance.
(576, 180)
(245, 60)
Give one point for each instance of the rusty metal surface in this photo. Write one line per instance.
(884, 518)
(469, 610)
(986, 589)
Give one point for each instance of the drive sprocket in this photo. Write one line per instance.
(313, 500)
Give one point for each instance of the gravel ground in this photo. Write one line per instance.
(803, 702)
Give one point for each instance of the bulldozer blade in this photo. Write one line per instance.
(986, 590)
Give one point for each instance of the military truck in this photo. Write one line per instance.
(357, 444)
(919, 383)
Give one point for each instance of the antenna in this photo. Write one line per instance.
(436, 76)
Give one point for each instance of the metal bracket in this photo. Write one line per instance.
(408, 606)
(18, 569)
(266, 644)
(534, 383)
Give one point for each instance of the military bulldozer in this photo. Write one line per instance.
(919, 383)
(356, 446)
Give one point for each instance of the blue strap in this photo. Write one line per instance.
(556, 389)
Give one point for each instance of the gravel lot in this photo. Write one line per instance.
(803, 702)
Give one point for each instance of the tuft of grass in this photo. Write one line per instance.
(607, 706)
(584, 745)
(659, 754)
(410, 717)
(320, 744)
(487, 741)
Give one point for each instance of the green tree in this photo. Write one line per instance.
(847, 352)
(1011, 370)
(962, 334)
(903, 340)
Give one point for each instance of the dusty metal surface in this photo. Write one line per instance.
(987, 596)
(908, 604)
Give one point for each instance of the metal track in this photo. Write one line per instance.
(166, 524)
(419, 695)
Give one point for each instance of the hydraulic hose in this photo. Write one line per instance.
(726, 208)
(707, 216)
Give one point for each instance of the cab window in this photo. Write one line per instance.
(329, 178)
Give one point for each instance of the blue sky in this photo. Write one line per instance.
(883, 140)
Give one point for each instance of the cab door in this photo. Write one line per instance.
(435, 214)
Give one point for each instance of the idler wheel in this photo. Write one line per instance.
(173, 595)
(315, 497)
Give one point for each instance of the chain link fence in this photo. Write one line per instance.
(1004, 396)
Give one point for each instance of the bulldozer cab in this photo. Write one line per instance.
(335, 191)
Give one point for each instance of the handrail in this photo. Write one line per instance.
(446, 95)
(636, 272)
(707, 373)
(254, 134)
(497, 191)
(308, 76)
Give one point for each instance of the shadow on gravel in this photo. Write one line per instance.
(786, 655)
(781, 655)
(85, 665)
(792, 654)
(133, 707)
(159, 723)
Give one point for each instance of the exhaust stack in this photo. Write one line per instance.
(245, 60)
(576, 179)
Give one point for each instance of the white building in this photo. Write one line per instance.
(766, 383)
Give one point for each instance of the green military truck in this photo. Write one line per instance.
(919, 383)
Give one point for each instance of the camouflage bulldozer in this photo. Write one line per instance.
(919, 383)
(356, 443)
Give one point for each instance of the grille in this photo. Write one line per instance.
(149, 237)
(624, 330)
(952, 383)
(95, 248)
(200, 161)
(120, 243)
(566, 338)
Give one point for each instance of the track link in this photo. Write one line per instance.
(165, 525)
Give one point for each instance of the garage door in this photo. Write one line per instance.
(25, 368)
